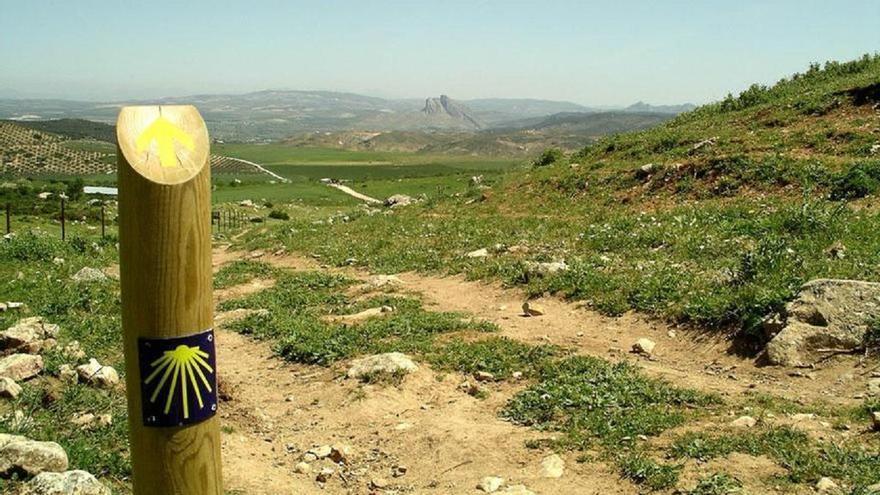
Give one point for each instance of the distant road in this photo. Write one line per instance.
(351, 192)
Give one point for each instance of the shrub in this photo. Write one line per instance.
(279, 215)
(548, 157)
(857, 182)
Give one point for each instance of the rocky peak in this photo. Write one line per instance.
(446, 106)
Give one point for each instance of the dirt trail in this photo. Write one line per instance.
(351, 192)
(443, 439)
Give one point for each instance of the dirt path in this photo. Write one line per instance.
(426, 436)
(351, 192)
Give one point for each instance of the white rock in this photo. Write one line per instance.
(303, 468)
(479, 253)
(644, 346)
(490, 484)
(875, 420)
(89, 274)
(66, 483)
(321, 452)
(397, 200)
(8, 388)
(31, 457)
(73, 350)
(392, 362)
(27, 335)
(744, 422)
(20, 367)
(484, 376)
(552, 466)
(543, 269)
(98, 375)
(67, 374)
(826, 485)
(325, 475)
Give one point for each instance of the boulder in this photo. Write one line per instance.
(66, 483)
(490, 484)
(644, 346)
(88, 274)
(392, 362)
(479, 253)
(543, 269)
(27, 335)
(8, 388)
(552, 466)
(826, 485)
(94, 373)
(399, 200)
(20, 367)
(826, 314)
(744, 422)
(31, 457)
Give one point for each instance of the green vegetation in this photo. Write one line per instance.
(714, 219)
(805, 460)
(717, 484)
(88, 313)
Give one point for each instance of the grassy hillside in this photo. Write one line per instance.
(713, 219)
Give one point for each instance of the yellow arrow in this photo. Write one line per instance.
(164, 133)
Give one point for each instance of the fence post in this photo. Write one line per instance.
(8, 218)
(167, 308)
(63, 229)
(103, 224)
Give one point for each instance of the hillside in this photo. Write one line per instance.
(714, 219)
(73, 147)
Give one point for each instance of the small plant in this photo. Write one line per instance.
(549, 157)
(717, 484)
(279, 215)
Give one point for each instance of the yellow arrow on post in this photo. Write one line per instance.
(164, 133)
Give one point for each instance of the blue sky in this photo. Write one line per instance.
(594, 53)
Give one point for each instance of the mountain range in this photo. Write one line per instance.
(270, 115)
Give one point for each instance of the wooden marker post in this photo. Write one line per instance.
(8, 218)
(63, 222)
(167, 308)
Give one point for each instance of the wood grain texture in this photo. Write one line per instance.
(165, 271)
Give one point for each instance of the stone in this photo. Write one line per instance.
(543, 269)
(340, 453)
(875, 420)
(94, 373)
(89, 421)
(518, 490)
(321, 452)
(874, 387)
(31, 457)
(490, 484)
(391, 362)
(67, 374)
(378, 483)
(479, 253)
(89, 274)
(801, 417)
(302, 468)
(27, 335)
(8, 388)
(73, 350)
(552, 466)
(362, 316)
(398, 200)
(644, 346)
(744, 422)
(377, 282)
(532, 309)
(325, 475)
(826, 485)
(20, 367)
(309, 457)
(827, 313)
(484, 376)
(873, 489)
(646, 170)
(66, 483)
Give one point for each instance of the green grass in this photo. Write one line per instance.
(804, 459)
(88, 313)
(241, 271)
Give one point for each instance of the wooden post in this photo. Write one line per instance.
(103, 223)
(8, 218)
(63, 232)
(167, 308)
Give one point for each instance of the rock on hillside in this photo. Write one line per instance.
(826, 314)
(446, 108)
(66, 483)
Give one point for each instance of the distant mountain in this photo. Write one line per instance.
(272, 115)
(643, 107)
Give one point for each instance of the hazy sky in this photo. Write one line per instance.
(594, 53)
